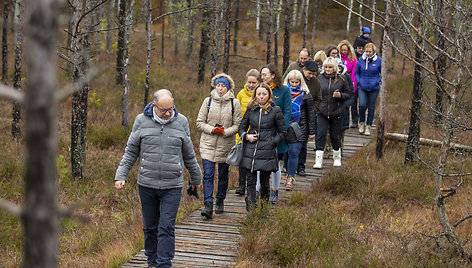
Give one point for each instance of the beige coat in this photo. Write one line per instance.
(215, 148)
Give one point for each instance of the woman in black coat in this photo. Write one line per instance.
(335, 91)
(262, 129)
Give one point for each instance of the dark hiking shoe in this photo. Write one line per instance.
(220, 207)
(207, 211)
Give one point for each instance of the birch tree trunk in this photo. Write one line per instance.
(16, 112)
(126, 83)
(360, 19)
(6, 7)
(216, 37)
(121, 42)
(414, 131)
(305, 22)
(269, 31)
(287, 19)
(276, 34)
(40, 213)
(227, 36)
(386, 46)
(236, 28)
(80, 98)
(110, 15)
(294, 15)
(348, 24)
(313, 31)
(190, 30)
(204, 42)
(148, 6)
(300, 12)
(258, 15)
(374, 3)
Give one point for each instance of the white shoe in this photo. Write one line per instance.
(367, 130)
(361, 127)
(318, 159)
(337, 158)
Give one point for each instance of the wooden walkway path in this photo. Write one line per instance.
(214, 243)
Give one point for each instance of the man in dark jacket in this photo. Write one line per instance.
(161, 139)
(309, 71)
(298, 65)
(361, 41)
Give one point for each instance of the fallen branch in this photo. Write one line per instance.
(423, 141)
(462, 220)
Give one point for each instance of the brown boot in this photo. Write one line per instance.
(289, 183)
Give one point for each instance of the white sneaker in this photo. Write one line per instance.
(318, 159)
(361, 127)
(367, 130)
(337, 158)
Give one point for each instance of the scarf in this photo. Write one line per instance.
(297, 99)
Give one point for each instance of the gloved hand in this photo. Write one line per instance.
(218, 131)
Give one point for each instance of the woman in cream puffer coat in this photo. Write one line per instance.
(218, 119)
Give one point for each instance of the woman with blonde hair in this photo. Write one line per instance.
(368, 84)
(319, 58)
(302, 122)
(262, 129)
(348, 56)
(334, 91)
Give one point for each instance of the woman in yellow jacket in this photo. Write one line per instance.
(244, 95)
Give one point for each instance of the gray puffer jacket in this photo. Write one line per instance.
(163, 150)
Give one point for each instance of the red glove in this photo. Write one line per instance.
(218, 131)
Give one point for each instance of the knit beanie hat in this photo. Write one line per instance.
(222, 80)
(366, 30)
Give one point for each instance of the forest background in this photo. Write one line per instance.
(368, 213)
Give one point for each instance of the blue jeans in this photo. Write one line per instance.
(367, 101)
(209, 178)
(334, 125)
(292, 157)
(159, 209)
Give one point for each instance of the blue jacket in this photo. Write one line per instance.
(283, 99)
(368, 73)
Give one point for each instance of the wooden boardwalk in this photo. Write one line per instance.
(214, 243)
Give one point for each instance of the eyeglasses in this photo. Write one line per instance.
(169, 110)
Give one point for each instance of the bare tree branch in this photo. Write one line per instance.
(74, 87)
(356, 13)
(11, 207)
(175, 12)
(462, 220)
(11, 93)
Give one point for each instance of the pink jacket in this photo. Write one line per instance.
(351, 68)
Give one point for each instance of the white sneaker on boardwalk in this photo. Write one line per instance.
(337, 158)
(367, 130)
(361, 127)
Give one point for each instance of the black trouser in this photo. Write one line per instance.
(251, 186)
(334, 124)
(302, 157)
(354, 111)
(242, 178)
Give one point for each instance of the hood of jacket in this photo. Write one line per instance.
(231, 82)
(369, 59)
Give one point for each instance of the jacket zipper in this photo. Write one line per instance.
(257, 142)
(160, 157)
(329, 92)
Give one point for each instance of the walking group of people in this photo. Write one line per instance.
(274, 116)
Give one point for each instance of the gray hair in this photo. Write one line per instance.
(161, 93)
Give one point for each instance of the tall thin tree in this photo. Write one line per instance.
(269, 30)
(16, 113)
(236, 27)
(227, 43)
(204, 41)
(40, 215)
(413, 142)
(191, 26)
(121, 42)
(148, 6)
(216, 37)
(6, 10)
(305, 21)
(126, 82)
(287, 19)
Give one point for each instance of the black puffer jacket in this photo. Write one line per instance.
(262, 154)
(307, 119)
(333, 107)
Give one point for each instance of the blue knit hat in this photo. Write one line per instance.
(365, 30)
(222, 80)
